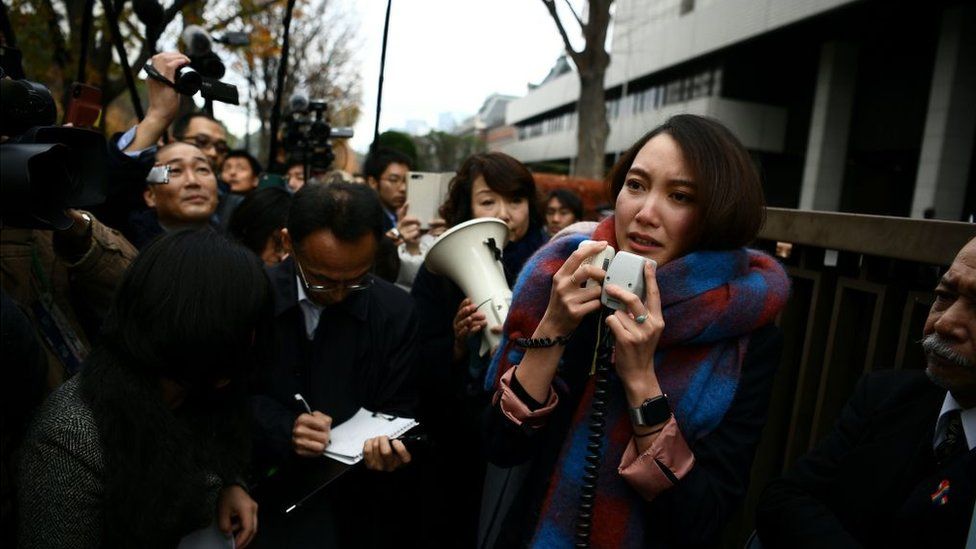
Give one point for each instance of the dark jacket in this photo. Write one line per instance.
(689, 514)
(363, 355)
(870, 481)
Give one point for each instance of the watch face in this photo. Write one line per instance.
(655, 410)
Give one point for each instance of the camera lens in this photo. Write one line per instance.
(187, 81)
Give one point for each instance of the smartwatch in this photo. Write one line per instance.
(652, 411)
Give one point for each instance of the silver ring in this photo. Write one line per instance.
(641, 318)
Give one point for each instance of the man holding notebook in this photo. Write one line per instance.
(344, 341)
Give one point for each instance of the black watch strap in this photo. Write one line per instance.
(652, 411)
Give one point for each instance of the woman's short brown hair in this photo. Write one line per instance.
(730, 193)
(503, 174)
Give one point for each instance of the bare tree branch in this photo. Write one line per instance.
(551, 6)
(242, 13)
(576, 15)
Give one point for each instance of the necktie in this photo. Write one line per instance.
(955, 439)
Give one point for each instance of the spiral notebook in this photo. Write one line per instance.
(347, 438)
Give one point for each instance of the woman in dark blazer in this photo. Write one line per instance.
(451, 371)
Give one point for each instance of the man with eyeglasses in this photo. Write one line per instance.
(200, 129)
(134, 154)
(344, 340)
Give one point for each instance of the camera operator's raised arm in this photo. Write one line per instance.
(164, 102)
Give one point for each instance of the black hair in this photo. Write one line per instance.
(568, 199)
(178, 290)
(194, 308)
(259, 215)
(730, 192)
(503, 174)
(241, 153)
(179, 126)
(379, 159)
(349, 210)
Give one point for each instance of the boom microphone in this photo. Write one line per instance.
(197, 41)
(298, 102)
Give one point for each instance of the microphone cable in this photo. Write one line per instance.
(597, 428)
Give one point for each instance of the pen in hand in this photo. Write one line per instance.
(300, 398)
(308, 409)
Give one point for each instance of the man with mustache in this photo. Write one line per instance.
(899, 468)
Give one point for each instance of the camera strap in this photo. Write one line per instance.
(53, 324)
(157, 76)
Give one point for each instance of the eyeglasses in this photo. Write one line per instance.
(204, 141)
(351, 286)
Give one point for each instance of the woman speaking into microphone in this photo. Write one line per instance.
(648, 442)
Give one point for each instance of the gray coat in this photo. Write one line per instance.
(61, 476)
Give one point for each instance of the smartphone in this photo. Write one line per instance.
(627, 271)
(426, 192)
(84, 105)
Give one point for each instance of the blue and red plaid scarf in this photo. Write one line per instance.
(712, 301)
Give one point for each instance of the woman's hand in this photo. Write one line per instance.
(569, 302)
(637, 331)
(237, 511)
(467, 321)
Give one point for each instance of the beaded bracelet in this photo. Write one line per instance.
(542, 342)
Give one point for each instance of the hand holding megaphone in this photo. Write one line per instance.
(470, 255)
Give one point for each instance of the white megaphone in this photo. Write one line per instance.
(470, 254)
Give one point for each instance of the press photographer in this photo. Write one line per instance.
(59, 263)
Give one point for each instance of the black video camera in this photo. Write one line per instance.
(46, 168)
(307, 133)
(204, 72)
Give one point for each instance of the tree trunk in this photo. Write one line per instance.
(592, 126)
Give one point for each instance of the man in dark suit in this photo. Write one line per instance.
(344, 340)
(899, 468)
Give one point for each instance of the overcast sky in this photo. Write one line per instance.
(442, 56)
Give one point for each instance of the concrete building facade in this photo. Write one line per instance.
(863, 106)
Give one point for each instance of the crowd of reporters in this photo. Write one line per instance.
(173, 326)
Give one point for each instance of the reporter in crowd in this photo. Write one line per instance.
(487, 185)
(691, 371)
(295, 176)
(188, 199)
(563, 208)
(345, 340)
(132, 154)
(240, 171)
(258, 221)
(64, 280)
(204, 132)
(146, 444)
